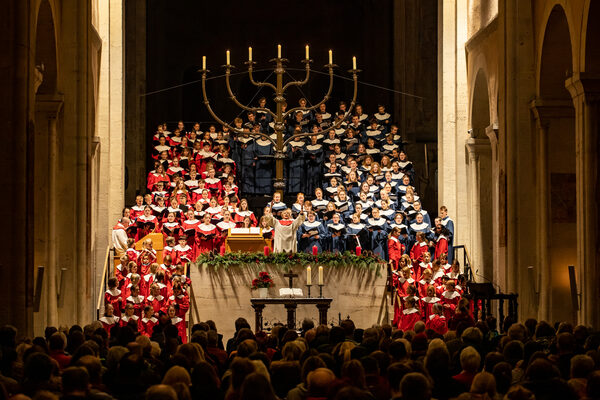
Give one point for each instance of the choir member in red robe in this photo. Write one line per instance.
(109, 319)
(223, 229)
(429, 301)
(136, 300)
(148, 321)
(148, 280)
(171, 227)
(243, 212)
(420, 247)
(157, 301)
(181, 299)
(190, 228)
(130, 316)
(395, 248)
(169, 250)
(425, 282)
(183, 252)
(410, 316)
(138, 208)
(121, 269)
(147, 223)
(114, 297)
(131, 252)
(177, 322)
(205, 237)
(436, 321)
(450, 299)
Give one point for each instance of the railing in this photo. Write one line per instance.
(104, 280)
(468, 271)
(194, 317)
(483, 303)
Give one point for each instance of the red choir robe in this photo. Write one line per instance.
(409, 318)
(415, 298)
(138, 304)
(403, 284)
(416, 253)
(147, 326)
(427, 304)
(171, 229)
(181, 328)
(423, 286)
(420, 268)
(169, 251)
(438, 323)
(240, 215)
(109, 322)
(184, 304)
(114, 297)
(164, 291)
(119, 272)
(395, 251)
(451, 299)
(223, 228)
(205, 238)
(190, 228)
(183, 254)
(125, 321)
(441, 246)
(437, 276)
(214, 185)
(145, 284)
(132, 254)
(158, 303)
(136, 211)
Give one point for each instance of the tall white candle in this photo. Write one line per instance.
(307, 57)
(249, 53)
(330, 56)
(227, 53)
(353, 62)
(278, 51)
(309, 276)
(320, 275)
(203, 62)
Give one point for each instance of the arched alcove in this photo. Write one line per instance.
(480, 166)
(592, 50)
(559, 201)
(45, 49)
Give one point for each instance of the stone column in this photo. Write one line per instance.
(499, 275)
(47, 112)
(476, 149)
(585, 91)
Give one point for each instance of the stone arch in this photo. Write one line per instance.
(46, 50)
(556, 171)
(480, 105)
(591, 31)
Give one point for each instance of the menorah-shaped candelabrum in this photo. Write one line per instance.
(279, 115)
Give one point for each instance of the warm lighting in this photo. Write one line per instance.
(203, 62)
(309, 275)
(278, 51)
(330, 56)
(249, 53)
(321, 275)
(227, 53)
(353, 62)
(307, 57)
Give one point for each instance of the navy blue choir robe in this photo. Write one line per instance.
(345, 208)
(449, 224)
(376, 134)
(379, 229)
(246, 148)
(264, 166)
(314, 229)
(277, 208)
(314, 164)
(425, 215)
(388, 214)
(422, 227)
(406, 167)
(296, 170)
(337, 237)
(384, 119)
(357, 235)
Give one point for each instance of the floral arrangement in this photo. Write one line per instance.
(285, 261)
(263, 281)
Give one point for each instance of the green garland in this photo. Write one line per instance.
(287, 260)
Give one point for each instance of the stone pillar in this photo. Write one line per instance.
(476, 148)
(499, 275)
(585, 91)
(47, 112)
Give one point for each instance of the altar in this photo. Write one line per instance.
(223, 294)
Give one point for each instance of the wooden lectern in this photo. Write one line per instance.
(247, 240)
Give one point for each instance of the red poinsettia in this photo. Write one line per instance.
(263, 281)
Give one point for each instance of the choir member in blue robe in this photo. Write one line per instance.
(277, 206)
(418, 210)
(331, 140)
(419, 225)
(344, 206)
(247, 165)
(311, 233)
(449, 225)
(319, 204)
(337, 233)
(296, 166)
(383, 117)
(357, 234)
(264, 166)
(263, 117)
(406, 166)
(314, 157)
(375, 131)
(379, 228)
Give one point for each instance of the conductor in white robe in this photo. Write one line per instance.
(284, 238)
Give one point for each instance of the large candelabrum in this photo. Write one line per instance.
(279, 116)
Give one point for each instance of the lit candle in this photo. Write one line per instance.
(308, 275)
(358, 250)
(227, 53)
(320, 275)
(203, 62)
(307, 52)
(249, 53)
(267, 250)
(353, 62)
(278, 51)
(315, 250)
(330, 56)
